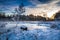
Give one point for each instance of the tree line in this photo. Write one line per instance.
(24, 18)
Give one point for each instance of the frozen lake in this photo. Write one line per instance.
(36, 30)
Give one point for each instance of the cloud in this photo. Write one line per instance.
(45, 1)
(58, 3)
(43, 8)
(32, 6)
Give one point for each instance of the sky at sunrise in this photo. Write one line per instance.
(35, 7)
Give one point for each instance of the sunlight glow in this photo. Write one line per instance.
(50, 14)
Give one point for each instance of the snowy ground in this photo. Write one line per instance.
(35, 30)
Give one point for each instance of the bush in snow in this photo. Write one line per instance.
(53, 26)
(3, 24)
(23, 28)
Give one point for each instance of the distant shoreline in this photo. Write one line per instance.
(27, 21)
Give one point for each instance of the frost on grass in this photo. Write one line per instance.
(30, 31)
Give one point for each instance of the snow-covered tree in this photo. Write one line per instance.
(19, 10)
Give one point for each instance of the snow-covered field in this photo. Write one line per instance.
(35, 30)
